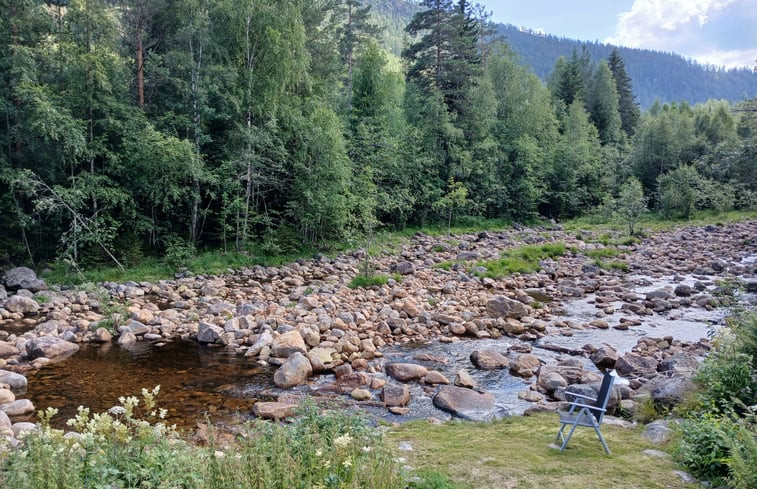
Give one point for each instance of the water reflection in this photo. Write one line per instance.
(194, 380)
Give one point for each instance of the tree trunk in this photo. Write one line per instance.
(140, 56)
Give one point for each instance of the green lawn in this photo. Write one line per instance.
(518, 452)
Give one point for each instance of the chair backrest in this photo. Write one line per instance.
(605, 390)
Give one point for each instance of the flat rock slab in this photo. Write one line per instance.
(489, 359)
(406, 371)
(273, 410)
(464, 403)
(50, 347)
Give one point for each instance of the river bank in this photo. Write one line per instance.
(405, 348)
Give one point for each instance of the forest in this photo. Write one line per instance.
(134, 128)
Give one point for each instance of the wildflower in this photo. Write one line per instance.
(347, 463)
(318, 452)
(117, 410)
(343, 440)
(367, 449)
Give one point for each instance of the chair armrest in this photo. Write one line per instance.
(577, 404)
(575, 394)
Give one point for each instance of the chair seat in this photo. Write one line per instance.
(583, 417)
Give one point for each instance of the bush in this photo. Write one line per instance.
(679, 190)
(704, 446)
(719, 438)
(729, 381)
(743, 460)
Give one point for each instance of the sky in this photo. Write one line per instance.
(715, 32)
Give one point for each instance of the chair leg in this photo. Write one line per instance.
(570, 433)
(601, 438)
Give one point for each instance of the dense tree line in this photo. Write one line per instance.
(136, 127)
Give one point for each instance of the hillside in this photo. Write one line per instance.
(655, 75)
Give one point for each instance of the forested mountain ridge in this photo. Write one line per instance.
(667, 77)
(655, 75)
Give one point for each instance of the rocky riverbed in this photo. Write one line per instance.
(523, 337)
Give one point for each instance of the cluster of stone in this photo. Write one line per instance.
(303, 320)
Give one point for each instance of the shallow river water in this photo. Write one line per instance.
(198, 381)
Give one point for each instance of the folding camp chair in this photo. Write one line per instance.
(587, 413)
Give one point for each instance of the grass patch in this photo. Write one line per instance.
(515, 453)
(446, 265)
(604, 253)
(521, 260)
(365, 281)
(612, 265)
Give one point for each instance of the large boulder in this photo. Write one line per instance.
(23, 278)
(293, 372)
(551, 380)
(605, 357)
(209, 333)
(464, 403)
(21, 304)
(321, 358)
(288, 343)
(50, 347)
(680, 363)
(524, 365)
(404, 268)
(406, 371)
(17, 382)
(633, 364)
(489, 359)
(501, 306)
(464, 379)
(669, 392)
(395, 394)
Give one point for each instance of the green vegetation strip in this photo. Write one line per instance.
(517, 453)
(521, 260)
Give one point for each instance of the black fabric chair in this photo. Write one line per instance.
(586, 411)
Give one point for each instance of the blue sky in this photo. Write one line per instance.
(717, 32)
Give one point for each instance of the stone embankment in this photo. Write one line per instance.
(303, 320)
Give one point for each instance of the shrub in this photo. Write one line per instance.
(743, 460)
(728, 379)
(679, 190)
(703, 446)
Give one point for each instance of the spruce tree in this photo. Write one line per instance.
(627, 105)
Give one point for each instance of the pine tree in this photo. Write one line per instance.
(627, 105)
(446, 57)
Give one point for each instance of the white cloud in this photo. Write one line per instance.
(729, 59)
(710, 31)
